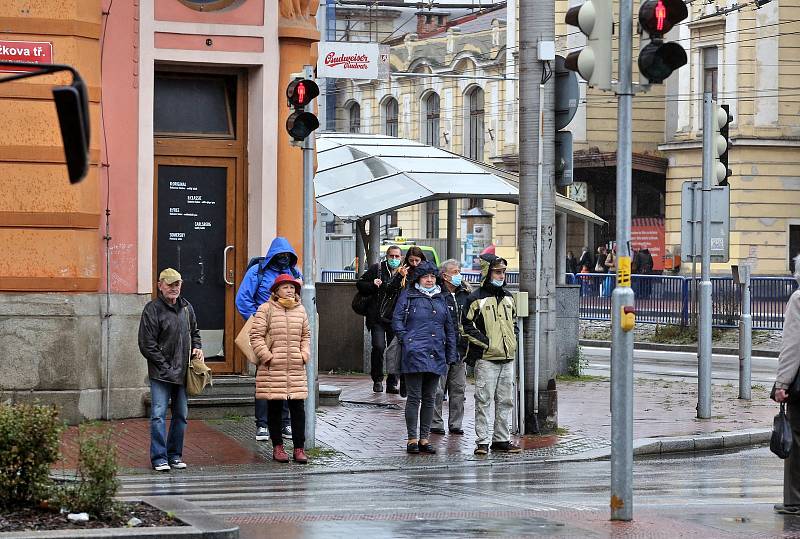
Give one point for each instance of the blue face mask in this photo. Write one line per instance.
(455, 280)
(394, 263)
(498, 283)
(428, 289)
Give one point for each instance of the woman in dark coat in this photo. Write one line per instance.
(427, 334)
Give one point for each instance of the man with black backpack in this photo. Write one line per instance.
(375, 285)
(253, 292)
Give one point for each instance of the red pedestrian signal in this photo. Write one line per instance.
(657, 58)
(300, 93)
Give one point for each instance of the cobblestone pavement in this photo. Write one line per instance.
(367, 431)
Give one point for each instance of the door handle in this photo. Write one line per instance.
(225, 265)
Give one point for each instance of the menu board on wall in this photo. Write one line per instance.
(191, 235)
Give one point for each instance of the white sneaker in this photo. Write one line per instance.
(262, 434)
(163, 467)
(178, 464)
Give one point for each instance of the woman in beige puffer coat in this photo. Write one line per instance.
(281, 340)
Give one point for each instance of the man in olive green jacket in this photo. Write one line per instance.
(489, 322)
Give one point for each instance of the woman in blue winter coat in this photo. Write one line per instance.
(426, 332)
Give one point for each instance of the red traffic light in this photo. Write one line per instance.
(301, 92)
(657, 17)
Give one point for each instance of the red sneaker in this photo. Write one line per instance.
(300, 456)
(279, 454)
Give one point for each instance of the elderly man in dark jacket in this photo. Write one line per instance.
(376, 283)
(168, 336)
(456, 291)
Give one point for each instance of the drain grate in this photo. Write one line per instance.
(374, 405)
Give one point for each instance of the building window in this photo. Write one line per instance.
(474, 125)
(794, 245)
(473, 203)
(710, 70)
(432, 219)
(432, 120)
(354, 125)
(178, 97)
(209, 5)
(390, 117)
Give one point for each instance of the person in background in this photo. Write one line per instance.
(586, 261)
(281, 340)
(425, 330)
(489, 321)
(572, 263)
(788, 367)
(254, 291)
(456, 291)
(375, 284)
(168, 335)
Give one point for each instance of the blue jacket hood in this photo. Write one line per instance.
(280, 245)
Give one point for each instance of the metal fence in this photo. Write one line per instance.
(672, 300)
(664, 299)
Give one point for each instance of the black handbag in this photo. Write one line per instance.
(360, 304)
(781, 440)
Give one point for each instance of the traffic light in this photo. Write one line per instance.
(657, 59)
(567, 95)
(301, 123)
(722, 119)
(595, 19)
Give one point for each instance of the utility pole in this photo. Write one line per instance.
(309, 292)
(704, 322)
(537, 212)
(622, 313)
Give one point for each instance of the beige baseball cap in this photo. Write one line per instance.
(169, 276)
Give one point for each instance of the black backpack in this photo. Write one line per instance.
(360, 304)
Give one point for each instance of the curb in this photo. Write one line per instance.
(737, 439)
(723, 351)
(200, 524)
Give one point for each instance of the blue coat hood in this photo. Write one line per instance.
(252, 294)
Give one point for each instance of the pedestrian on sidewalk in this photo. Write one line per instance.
(490, 323)
(375, 283)
(254, 291)
(611, 267)
(424, 329)
(168, 337)
(788, 369)
(402, 279)
(456, 292)
(281, 340)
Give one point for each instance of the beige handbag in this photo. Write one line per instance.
(242, 341)
(198, 374)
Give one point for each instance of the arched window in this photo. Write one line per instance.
(354, 123)
(473, 137)
(431, 111)
(390, 117)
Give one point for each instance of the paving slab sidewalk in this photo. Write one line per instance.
(367, 431)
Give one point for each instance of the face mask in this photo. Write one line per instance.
(282, 261)
(455, 280)
(498, 283)
(394, 263)
(428, 289)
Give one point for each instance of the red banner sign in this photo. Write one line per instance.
(649, 232)
(30, 52)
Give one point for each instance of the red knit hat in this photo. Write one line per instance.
(285, 278)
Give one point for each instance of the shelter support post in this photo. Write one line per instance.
(374, 247)
(452, 230)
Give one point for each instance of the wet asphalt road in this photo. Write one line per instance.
(679, 365)
(703, 495)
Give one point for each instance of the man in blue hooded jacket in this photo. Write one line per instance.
(254, 291)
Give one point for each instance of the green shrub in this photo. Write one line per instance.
(29, 445)
(577, 363)
(97, 482)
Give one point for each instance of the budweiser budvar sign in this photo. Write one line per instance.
(351, 60)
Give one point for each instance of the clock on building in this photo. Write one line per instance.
(577, 191)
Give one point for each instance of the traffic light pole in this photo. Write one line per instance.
(622, 339)
(309, 292)
(704, 321)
